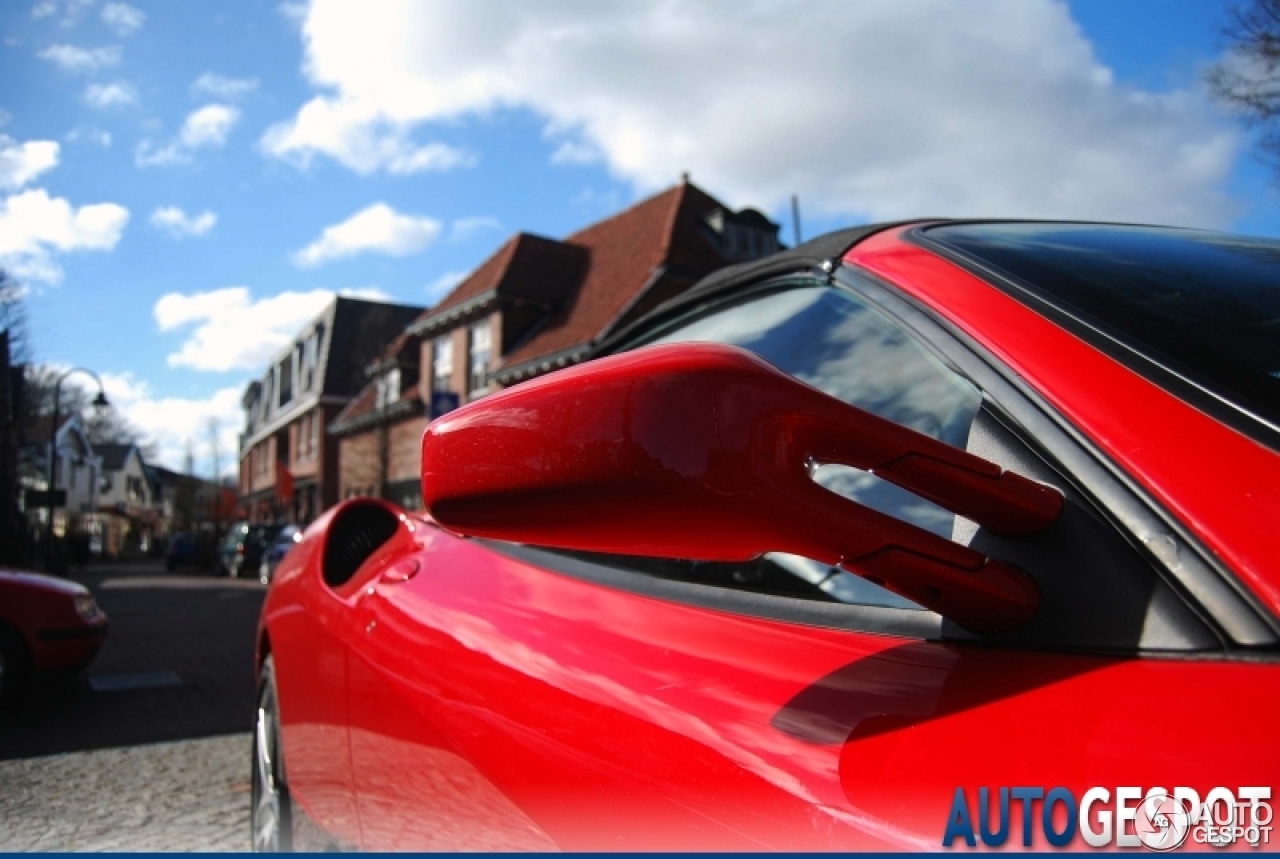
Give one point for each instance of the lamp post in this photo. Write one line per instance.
(99, 403)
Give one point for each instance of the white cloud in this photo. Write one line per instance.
(225, 88)
(359, 139)
(179, 224)
(72, 12)
(117, 94)
(440, 287)
(873, 109)
(376, 229)
(123, 19)
(170, 423)
(208, 126)
(71, 58)
(467, 228)
(89, 134)
(22, 162)
(230, 330)
(366, 293)
(204, 128)
(35, 226)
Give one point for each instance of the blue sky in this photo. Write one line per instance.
(203, 150)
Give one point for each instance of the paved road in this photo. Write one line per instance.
(149, 750)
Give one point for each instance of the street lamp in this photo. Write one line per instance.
(99, 403)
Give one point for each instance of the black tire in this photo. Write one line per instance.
(271, 814)
(15, 665)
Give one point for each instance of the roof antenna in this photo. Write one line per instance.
(795, 217)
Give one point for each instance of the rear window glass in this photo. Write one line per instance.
(1205, 306)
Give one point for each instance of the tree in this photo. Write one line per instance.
(13, 318)
(1247, 78)
(105, 426)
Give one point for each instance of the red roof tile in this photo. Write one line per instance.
(625, 250)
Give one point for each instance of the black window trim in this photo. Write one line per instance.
(1170, 378)
(1207, 583)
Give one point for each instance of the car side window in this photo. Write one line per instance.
(842, 346)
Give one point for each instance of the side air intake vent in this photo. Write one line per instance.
(356, 533)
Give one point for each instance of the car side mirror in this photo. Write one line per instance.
(705, 452)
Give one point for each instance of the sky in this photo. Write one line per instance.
(183, 185)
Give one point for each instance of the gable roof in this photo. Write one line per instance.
(114, 456)
(526, 266)
(627, 252)
(360, 332)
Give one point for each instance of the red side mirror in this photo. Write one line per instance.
(703, 451)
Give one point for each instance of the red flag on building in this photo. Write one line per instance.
(284, 483)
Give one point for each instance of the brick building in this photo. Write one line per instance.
(535, 306)
(288, 463)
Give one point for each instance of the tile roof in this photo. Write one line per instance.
(526, 266)
(625, 250)
(367, 400)
(113, 455)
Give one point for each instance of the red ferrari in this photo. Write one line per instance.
(928, 535)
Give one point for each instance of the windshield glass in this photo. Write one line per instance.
(1205, 306)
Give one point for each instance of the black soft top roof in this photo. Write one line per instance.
(810, 255)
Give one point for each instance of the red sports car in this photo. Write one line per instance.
(46, 625)
(926, 535)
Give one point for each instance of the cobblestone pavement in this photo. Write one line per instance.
(182, 796)
(149, 750)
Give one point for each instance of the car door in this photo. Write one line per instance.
(607, 702)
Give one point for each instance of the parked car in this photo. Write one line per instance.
(288, 537)
(247, 543)
(47, 625)
(191, 550)
(812, 558)
(227, 550)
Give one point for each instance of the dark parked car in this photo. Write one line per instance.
(288, 537)
(825, 554)
(47, 625)
(230, 543)
(191, 550)
(248, 543)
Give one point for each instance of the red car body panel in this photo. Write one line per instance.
(42, 609)
(454, 694)
(494, 704)
(1220, 483)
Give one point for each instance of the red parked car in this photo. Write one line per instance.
(924, 535)
(47, 625)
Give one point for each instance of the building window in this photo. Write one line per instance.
(480, 349)
(286, 380)
(388, 388)
(442, 364)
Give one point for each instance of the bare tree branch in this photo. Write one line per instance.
(1247, 78)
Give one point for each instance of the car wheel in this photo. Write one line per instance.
(15, 664)
(271, 816)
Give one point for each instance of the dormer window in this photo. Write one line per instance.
(442, 364)
(388, 388)
(743, 235)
